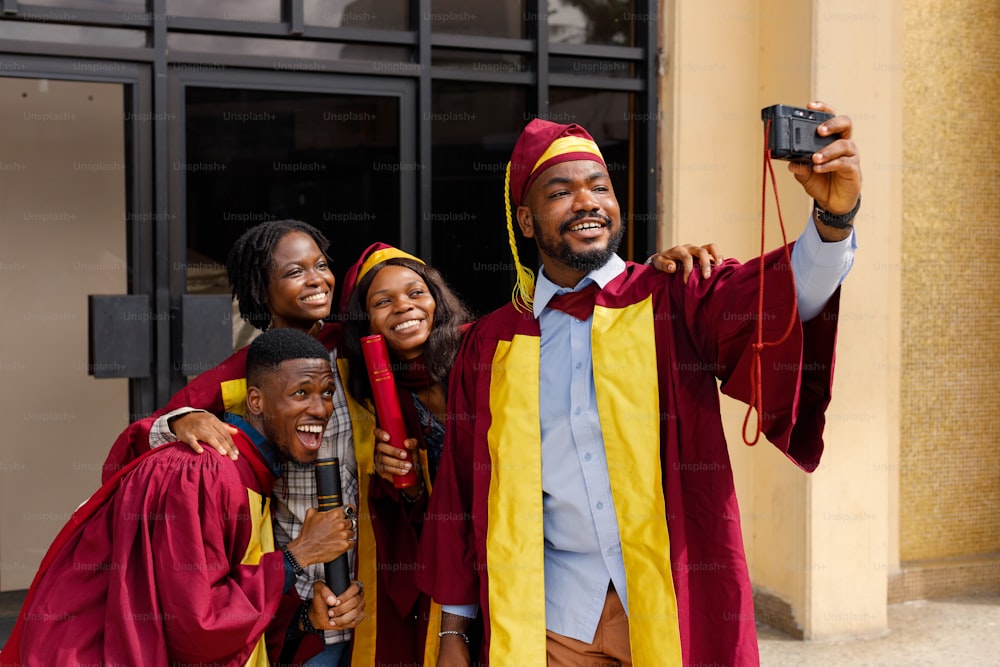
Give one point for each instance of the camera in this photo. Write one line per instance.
(792, 135)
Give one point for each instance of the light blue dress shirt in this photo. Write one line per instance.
(582, 545)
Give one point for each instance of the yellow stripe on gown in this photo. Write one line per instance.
(261, 542)
(625, 370)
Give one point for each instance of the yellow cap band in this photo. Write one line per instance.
(380, 256)
(564, 145)
(523, 295)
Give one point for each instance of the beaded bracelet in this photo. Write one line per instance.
(307, 625)
(454, 632)
(296, 568)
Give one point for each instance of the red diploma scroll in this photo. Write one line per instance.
(390, 416)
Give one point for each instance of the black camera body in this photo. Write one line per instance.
(792, 135)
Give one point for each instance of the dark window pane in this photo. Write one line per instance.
(373, 14)
(618, 69)
(255, 155)
(594, 21)
(474, 129)
(480, 18)
(259, 46)
(267, 11)
(479, 61)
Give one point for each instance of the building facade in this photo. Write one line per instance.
(141, 137)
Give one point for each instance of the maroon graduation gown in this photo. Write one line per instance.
(148, 571)
(703, 333)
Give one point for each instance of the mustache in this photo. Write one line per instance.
(583, 215)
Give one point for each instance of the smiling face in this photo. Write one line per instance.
(401, 308)
(292, 405)
(573, 215)
(300, 289)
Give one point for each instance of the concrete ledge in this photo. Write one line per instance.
(772, 610)
(945, 578)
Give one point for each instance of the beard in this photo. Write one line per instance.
(581, 260)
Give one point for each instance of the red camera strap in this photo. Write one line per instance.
(756, 382)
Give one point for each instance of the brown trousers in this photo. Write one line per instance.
(610, 647)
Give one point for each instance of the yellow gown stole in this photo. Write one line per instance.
(261, 542)
(365, 635)
(626, 381)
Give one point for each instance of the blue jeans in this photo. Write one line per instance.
(335, 655)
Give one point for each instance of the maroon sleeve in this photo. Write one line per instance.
(447, 557)
(721, 314)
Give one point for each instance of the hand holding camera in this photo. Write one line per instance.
(822, 155)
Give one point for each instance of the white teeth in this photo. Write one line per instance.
(315, 297)
(309, 428)
(585, 226)
(409, 324)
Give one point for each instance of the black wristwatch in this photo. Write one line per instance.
(837, 221)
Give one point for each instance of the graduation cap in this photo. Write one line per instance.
(542, 144)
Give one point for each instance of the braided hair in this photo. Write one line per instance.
(249, 265)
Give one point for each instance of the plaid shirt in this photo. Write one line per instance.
(295, 490)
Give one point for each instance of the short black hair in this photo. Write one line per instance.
(271, 348)
(250, 261)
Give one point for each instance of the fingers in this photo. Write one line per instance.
(687, 259)
(191, 442)
(383, 436)
(221, 440)
(840, 157)
(391, 460)
(196, 428)
(684, 256)
(349, 610)
(705, 261)
(715, 253)
(329, 611)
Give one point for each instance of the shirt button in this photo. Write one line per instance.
(600, 505)
(586, 457)
(578, 410)
(579, 365)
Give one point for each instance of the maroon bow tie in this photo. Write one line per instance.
(579, 304)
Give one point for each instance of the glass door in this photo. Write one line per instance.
(336, 152)
(63, 222)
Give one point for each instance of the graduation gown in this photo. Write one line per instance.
(659, 349)
(223, 389)
(402, 624)
(171, 561)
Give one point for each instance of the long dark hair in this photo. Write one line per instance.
(249, 265)
(442, 344)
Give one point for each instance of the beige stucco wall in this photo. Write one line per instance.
(820, 542)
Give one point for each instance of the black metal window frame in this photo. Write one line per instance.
(147, 71)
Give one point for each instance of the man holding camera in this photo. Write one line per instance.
(585, 499)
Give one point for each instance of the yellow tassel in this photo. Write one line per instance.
(523, 295)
